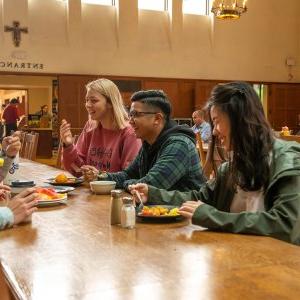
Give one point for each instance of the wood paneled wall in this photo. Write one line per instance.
(284, 106)
(185, 96)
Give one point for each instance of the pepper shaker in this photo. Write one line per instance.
(115, 207)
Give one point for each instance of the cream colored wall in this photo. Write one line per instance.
(68, 38)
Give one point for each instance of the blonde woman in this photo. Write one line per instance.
(107, 142)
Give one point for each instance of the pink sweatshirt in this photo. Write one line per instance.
(105, 149)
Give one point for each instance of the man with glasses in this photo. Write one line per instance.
(168, 158)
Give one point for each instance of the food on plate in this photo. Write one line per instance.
(48, 194)
(285, 131)
(157, 211)
(61, 178)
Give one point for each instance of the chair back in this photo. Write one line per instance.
(201, 152)
(29, 147)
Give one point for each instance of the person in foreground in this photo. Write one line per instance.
(107, 142)
(18, 208)
(258, 190)
(168, 158)
(22, 205)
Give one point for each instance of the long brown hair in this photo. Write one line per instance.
(251, 136)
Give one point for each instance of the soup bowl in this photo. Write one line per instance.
(102, 187)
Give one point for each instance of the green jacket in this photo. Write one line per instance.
(281, 218)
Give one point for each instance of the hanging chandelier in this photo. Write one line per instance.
(228, 9)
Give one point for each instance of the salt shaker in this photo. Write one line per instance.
(115, 207)
(128, 213)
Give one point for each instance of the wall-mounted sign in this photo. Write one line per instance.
(16, 31)
(20, 65)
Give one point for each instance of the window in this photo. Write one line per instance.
(196, 7)
(153, 4)
(98, 2)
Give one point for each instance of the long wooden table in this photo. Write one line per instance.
(71, 252)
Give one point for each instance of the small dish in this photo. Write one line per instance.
(61, 189)
(160, 218)
(52, 202)
(73, 181)
(102, 187)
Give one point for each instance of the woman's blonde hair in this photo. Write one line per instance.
(110, 91)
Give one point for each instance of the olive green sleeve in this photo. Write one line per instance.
(164, 197)
(281, 220)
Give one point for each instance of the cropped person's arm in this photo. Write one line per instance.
(75, 154)
(6, 218)
(282, 221)
(132, 171)
(168, 169)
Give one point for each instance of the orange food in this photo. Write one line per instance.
(48, 194)
(158, 211)
(61, 178)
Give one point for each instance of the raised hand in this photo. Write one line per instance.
(142, 188)
(65, 133)
(188, 208)
(12, 144)
(89, 172)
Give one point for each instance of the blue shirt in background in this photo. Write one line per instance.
(205, 131)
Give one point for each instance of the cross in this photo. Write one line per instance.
(16, 32)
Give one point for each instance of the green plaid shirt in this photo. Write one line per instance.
(177, 166)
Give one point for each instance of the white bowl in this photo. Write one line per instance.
(102, 187)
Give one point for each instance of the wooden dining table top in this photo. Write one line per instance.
(72, 252)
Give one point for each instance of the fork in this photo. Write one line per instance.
(141, 205)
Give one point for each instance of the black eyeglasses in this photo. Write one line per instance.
(136, 114)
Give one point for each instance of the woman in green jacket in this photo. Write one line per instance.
(258, 190)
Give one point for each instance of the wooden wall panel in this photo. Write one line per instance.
(180, 93)
(186, 102)
(185, 96)
(203, 90)
(71, 102)
(284, 105)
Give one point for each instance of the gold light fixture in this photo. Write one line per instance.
(228, 9)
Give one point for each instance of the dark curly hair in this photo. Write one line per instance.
(251, 135)
(154, 98)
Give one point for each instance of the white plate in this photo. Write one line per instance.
(44, 203)
(60, 189)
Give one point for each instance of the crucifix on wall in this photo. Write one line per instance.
(16, 31)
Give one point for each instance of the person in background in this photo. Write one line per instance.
(1, 122)
(257, 190)
(44, 111)
(22, 205)
(107, 142)
(45, 116)
(11, 116)
(201, 126)
(168, 158)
